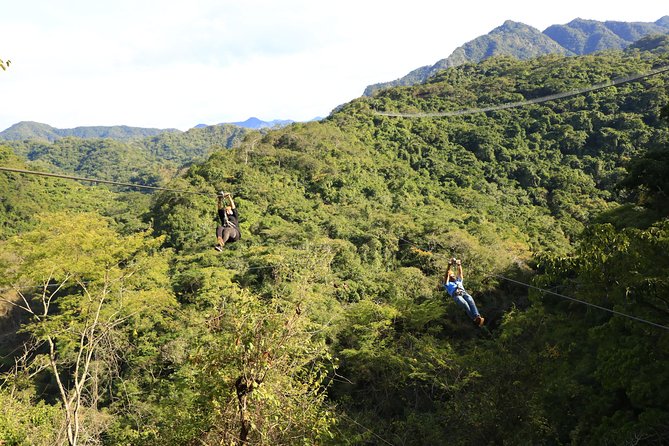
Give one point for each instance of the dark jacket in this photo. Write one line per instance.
(229, 220)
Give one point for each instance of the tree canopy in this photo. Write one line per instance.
(325, 323)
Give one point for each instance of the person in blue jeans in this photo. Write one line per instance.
(453, 285)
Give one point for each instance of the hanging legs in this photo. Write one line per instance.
(225, 235)
(467, 303)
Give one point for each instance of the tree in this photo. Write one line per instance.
(81, 284)
(648, 175)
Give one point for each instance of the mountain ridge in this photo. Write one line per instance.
(578, 37)
(36, 130)
(32, 130)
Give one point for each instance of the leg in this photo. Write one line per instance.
(219, 236)
(229, 235)
(460, 300)
(472, 306)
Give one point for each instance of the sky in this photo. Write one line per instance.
(179, 63)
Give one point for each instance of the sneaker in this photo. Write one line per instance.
(481, 321)
(218, 248)
(478, 321)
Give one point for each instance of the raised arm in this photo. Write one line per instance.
(232, 203)
(448, 272)
(459, 264)
(451, 262)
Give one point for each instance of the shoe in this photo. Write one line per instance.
(218, 248)
(478, 321)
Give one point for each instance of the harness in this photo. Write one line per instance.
(459, 289)
(227, 222)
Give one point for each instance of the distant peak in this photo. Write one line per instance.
(511, 26)
(256, 123)
(580, 20)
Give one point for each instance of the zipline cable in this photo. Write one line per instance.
(367, 429)
(552, 97)
(573, 299)
(543, 290)
(94, 180)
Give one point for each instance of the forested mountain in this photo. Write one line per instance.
(523, 42)
(26, 130)
(324, 324)
(149, 161)
(589, 36)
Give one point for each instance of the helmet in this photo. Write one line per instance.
(220, 193)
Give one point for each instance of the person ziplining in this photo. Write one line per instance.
(228, 230)
(452, 283)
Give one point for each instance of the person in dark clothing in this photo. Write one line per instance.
(453, 286)
(228, 230)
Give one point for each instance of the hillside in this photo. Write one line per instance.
(589, 36)
(521, 41)
(324, 324)
(26, 130)
(355, 217)
(149, 160)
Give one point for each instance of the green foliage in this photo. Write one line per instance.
(92, 297)
(648, 176)
(268, 352)
(324, 323)
(24, 420)
(149, 161)
(24, 198)
(521, 41)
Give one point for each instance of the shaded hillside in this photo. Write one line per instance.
(588, 36)
(26, 130)
(522, 42)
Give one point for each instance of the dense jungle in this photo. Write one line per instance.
(326, 323)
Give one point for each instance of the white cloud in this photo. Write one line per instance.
(177, 63)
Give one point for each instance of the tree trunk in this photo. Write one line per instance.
(243, 390)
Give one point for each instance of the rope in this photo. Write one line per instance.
(573, 299)
(552, 97)
(94, 180)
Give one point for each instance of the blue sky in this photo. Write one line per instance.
(175, 64)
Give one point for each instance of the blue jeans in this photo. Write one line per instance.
(467, 303)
